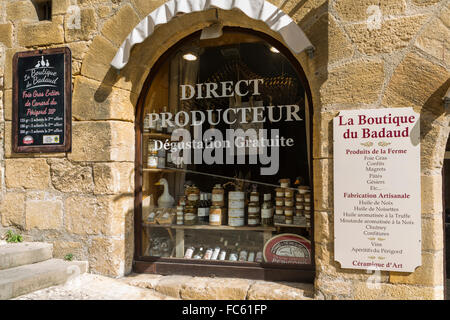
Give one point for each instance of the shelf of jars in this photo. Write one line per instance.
(209, 227)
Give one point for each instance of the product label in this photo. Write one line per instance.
(188, 253)
(236, 204)
(235, 222)
(254, 198)
(223, 255)
(214, 217)
(215, 254)
(203, 212)
(208, 254)
(253, 209)
(253, 222)
(267, 213)
(217, 197)
(193, 197)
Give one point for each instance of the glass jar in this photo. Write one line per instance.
(152, 160)
(279, 192)
(218, 195)
(215, 216)
(192, 195)
(279, 202)
(289, 202)
(279, 210)
(284, 183)
(288, 193)
(288, 211)
(190, 215)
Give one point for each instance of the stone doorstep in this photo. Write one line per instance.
(18, 254)
(28, 278)
(206, 288)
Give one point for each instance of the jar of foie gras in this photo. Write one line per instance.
(218, 195)
(284, 183)
(279, 192)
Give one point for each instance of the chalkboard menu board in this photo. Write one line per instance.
(42, 99)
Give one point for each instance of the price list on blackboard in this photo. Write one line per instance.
(41, 94)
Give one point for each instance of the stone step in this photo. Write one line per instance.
(28, 278)
(18, 254)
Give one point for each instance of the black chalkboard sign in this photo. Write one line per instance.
(42, 97)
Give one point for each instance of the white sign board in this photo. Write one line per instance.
(377, 211)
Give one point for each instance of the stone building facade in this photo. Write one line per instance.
(88, 194)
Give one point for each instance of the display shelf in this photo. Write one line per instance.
(157, 135)
(157, 170)
(291, 225)
(209, 227)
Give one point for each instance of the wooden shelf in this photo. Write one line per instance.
(159, 170)
(290, 225)
(157, 135)
(208, 227)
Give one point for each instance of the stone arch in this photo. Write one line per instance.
(101, 93)
(261, 10)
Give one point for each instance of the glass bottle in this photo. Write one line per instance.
(203, 209)
(208, 254)
(223, 252)
(267, 211)
(234, 255)
(199, 254)
(216, 253)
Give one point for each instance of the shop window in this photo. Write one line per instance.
(224, 151)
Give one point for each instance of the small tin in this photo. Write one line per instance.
(234, 221)
(279, 192)
(279, 210)
(289, 202)
(284, 183)
(288, 211)
(279, 202)
(288, 193)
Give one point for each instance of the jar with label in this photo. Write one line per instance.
(289, 220)
(152, 160)
(299, 206)
(190, 215)
(279, 210)
(208, 254)
(254, 195)
(243, 255)
(279, 202)
(279, 192)
(288, 193)
(253, 214)
(308, 197)
(303, 189)
(288, 211)
(189, 252)
(251, 257)
(267, 211)
(215, 215)
(259, 257)
(299, 197)
(222, 255)
(152, 146)
(236, 199)
(218, 196)
(298, 212)
(193, 195)
(284, 183)
(289, 202)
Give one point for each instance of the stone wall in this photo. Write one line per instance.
(87, 194)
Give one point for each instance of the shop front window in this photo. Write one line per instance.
(225, 156)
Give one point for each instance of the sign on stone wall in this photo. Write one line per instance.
(377, 211)
(42, 101)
